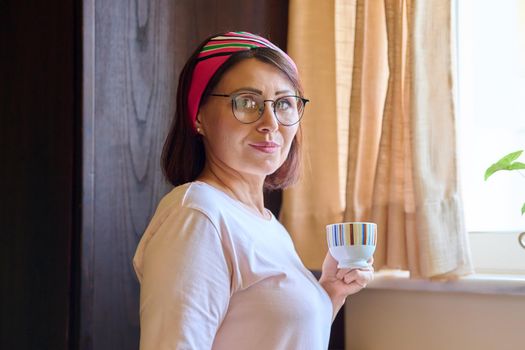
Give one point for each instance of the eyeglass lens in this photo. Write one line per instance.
(248, 108)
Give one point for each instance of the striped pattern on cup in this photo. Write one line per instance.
(347, 234)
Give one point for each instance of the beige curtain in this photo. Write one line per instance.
(316, 200)
(379, 134)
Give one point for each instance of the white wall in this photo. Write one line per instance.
(407, 320)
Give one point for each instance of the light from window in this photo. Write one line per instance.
(491, 110)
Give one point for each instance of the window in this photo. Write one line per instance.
(491, 124)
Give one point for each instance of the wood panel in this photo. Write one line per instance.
(37, 119)
(133, 51)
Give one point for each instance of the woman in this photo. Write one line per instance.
(217, 270)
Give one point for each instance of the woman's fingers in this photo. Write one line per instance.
(348, 279)
(350, 276)
(341, 273)
(362, 277)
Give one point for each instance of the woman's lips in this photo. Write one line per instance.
(266, 146)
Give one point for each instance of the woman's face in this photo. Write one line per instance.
(259, 148)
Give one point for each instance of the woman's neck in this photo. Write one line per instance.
(248, 191)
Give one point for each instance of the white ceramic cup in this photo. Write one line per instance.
(352, 244)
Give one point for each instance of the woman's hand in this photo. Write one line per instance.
(340, 283)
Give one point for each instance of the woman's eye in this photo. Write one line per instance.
(283, 104)
(246, 103)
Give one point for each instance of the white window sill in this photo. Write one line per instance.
(478, 283)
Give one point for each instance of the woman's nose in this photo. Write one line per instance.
(268, 121)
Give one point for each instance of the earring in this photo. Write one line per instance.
(198, 130)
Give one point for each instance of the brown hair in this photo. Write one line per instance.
(183, 154)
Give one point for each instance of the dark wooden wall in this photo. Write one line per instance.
(38, 117)
(133, 52)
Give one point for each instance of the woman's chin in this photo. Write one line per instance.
(262, 171)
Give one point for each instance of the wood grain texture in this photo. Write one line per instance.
(130, 79)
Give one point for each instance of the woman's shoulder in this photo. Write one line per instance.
(182, 203)
(203, 197)
(216, 205)
(194, 195)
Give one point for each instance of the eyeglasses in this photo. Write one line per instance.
(249, 108)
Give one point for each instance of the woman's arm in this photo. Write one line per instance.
(185, 284)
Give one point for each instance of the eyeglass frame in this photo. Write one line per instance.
(234, 95)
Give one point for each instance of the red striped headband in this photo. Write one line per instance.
(213, 55)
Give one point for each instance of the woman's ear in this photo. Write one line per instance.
(198, 125)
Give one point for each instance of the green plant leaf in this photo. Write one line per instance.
(509, 158)
(516, 166)
(503, 164)
(523, 209)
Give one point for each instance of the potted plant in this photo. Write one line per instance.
(507, 163)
